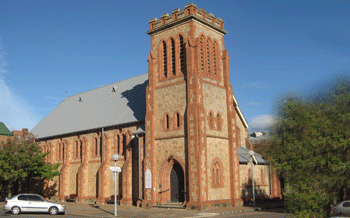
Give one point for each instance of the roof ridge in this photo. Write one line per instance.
(104, 86)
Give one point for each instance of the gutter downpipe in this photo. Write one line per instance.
(139, 162)
(253, 187)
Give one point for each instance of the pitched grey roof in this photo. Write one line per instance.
(118, 103)
(243, 155)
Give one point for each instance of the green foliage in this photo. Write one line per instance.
(311, 150)
(21, 158)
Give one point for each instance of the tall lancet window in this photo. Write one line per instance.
(182, 54)
(164, 60)
(202, 53)
(214, 58)
(173, 56)
(208, 56)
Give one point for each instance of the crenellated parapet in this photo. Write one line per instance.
(190, 11)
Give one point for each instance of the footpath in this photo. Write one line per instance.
(100, 211)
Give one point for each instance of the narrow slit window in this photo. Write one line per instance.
(217, 175)
(218, 122)
(96, 147)
(208, 56)
(202, 53)
(118, 145)
(76, 149)
(211, 120)
(173, 68)
(214, 58)
(59, 152)
(182, 54)
(167, 121)
(63, 152)
(164, 60)
(177, 120)
(81, 149)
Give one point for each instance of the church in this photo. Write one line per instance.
(178, 130)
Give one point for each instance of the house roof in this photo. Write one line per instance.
(4, 130)
(118, 103)
(244, 157)
(260, 139)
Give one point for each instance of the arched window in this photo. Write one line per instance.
(164, 60)
(173, 56)
(182, 55)
(217, 179)
(208, 57)
(202, 53)
(214, 58)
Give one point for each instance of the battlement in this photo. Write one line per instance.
(189, 11)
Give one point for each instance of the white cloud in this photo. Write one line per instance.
(15, 112)
(254, 103)
(262, 123)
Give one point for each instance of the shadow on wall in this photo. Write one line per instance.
(247, 191)
(34, 186)
(51, 191)
(136, 97)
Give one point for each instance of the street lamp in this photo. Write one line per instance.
(252, 159)
(115, 157)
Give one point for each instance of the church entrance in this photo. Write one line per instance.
(177, 183)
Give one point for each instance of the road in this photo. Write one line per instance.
(273, 213)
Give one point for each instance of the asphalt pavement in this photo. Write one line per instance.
(100, 211)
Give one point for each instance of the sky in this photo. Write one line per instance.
(58, 48)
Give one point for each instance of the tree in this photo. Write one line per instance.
(310, 148)
(21, 159)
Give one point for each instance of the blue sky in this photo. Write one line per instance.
(50, 49)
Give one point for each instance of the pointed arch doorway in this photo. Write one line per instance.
(177, 183)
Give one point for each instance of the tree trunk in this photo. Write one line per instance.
(9, 188)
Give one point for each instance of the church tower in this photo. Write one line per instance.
(190, 127)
